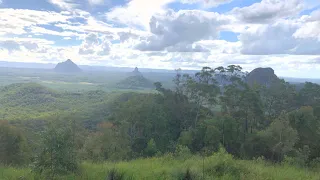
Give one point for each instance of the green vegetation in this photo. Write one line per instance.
(211, 125)
(218, 166)
(135, 82)
(75, 82)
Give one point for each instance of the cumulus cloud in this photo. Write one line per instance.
(64, 4)
(311, 27)
(96, 2)
(24, 18)
(40, 31)
(137, 13)
(183, 27)
(9, 45)
(283, 37)
(146, 33)
(268, 10)
(221, 46)
(29, 44)
(93, 44)
(124, 36)
(182, 47)
(207, 3)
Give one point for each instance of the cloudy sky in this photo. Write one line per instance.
(170, 34)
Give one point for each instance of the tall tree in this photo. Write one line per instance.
(308, 128)
(279, 96)
(202, 89)
(280, 137)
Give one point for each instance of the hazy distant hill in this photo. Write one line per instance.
(67, 67)
(153, 74)
(26, 94)
(135, 81)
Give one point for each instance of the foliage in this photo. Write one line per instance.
(214, 111)
(280, 137)
(13, 145)
(151, 148)
(217, 166)
(57, 156)
(109, 143)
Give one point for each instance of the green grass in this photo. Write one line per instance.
(218, 166)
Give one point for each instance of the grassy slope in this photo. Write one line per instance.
(218, 166)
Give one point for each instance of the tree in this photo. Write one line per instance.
(202, 89)
(151, 148)
(58, 153)
(109, 143)
(308, 128)
(13, 145)
(279, 96)
(280, 137)
(309, 95)
(241, 102)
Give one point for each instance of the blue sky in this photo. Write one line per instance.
(187, 34)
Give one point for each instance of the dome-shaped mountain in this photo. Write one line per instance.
(261, 76)
(26, 94)
(67, 67)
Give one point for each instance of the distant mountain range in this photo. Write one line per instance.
(84, 67)
(123, 69)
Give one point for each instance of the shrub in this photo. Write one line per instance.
(222, 164)
(182, 152)
(58, 156)
(13, 145)
(115, 175)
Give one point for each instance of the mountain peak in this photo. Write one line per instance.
(135, 72)
(67, 67)
(262, 76)
(69, 60)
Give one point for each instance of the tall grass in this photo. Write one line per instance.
(217, 166)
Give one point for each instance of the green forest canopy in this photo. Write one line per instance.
(197, 116)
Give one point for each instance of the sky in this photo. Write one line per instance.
(165, 34)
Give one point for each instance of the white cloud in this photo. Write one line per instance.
(310, 28)
(64, 4)
(146, 33)
(40, 31)
(137, 12)
(96, 2)
(283, 37)
(207, 3)
(268, 10)
(18, 44)
(24, 18)
(95, 44)
(183, 27)
(221, 46)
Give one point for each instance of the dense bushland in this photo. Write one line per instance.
(211, 110)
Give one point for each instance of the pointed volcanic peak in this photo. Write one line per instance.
(67, 67)
(135, 72)
(262, 76)
(135, 81)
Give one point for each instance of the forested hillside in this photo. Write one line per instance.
(203, 128)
